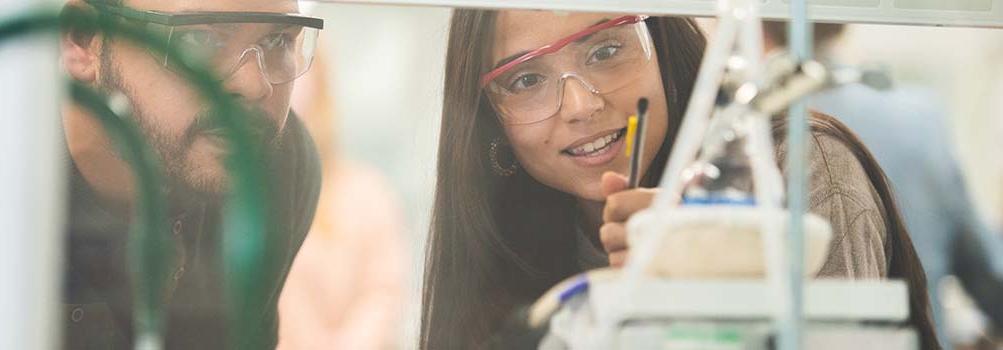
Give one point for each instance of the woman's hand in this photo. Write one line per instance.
(621, 203)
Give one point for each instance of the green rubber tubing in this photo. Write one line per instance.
(149, 243)
(246, 258)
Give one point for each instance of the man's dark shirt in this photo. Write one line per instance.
(97, 284)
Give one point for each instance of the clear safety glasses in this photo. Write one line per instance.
(603, 58)
(282, 45)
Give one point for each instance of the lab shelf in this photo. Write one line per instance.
(953, 13)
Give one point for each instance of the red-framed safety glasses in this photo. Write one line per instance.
(603, 57)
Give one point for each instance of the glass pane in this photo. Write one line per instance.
(412, 171)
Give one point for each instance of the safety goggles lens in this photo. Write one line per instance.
(605, 60)
(283, 51)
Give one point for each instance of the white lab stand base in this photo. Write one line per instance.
(733, 314)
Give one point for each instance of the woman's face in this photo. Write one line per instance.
(560, 152)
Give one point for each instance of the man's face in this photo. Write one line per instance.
(171, 112)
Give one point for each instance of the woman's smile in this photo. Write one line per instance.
(596, 150)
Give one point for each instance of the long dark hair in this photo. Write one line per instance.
(498, 242)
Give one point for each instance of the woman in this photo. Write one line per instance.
(535, 106)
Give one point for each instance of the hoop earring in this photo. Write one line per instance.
(496, 167)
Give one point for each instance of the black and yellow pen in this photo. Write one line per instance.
(635, 141)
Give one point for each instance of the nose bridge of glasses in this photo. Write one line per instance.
(242, 59)
(563, 88)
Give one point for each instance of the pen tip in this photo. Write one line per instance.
(642, 106)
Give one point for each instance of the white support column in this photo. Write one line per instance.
(31, 187)
(791, 325)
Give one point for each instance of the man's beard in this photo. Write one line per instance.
(183, 179)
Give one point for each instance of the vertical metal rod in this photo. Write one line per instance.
(799, 34)
(32, 188)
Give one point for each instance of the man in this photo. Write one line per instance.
(257, 52)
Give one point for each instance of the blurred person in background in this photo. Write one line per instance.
(905, 130)
(346, 286)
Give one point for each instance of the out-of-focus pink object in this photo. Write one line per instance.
(346, 284)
